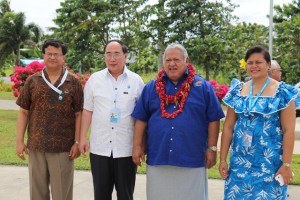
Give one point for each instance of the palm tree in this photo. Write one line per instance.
(4, 7)
(14, 33)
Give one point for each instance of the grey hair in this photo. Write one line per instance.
(176, 46)
(274, 64)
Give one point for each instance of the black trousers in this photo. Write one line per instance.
(108, 172)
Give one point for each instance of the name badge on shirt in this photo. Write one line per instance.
(247, 140)
(115, 115)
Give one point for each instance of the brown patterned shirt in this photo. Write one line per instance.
(51, 125)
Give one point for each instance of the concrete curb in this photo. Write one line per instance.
(14, 185)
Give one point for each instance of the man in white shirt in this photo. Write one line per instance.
(110, 96)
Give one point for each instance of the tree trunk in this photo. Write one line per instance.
(206, 68)
(160, 38)
(18, 56)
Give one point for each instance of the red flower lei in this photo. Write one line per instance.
(179, 98)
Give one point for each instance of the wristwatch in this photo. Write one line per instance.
(213, 148)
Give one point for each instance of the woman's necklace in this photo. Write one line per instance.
(179, 98)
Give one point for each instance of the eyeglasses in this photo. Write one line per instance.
(278, 70)
(115, 55)
(55, 55)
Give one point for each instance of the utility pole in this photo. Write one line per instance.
(271, 29)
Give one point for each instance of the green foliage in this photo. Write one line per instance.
(287, 40)
(201, 26)
(85, 26)
(7, 96)
(238, 39)
(206, 28)
(148, 77)
(7, 135)
(14, 34)
(5, 87)
(4, 7)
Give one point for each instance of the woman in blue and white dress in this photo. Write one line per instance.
(259, 127)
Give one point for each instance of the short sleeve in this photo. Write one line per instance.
(233, 93)
(142, 110)
(24, 99)
(88, 95)
(285, 93)
(78, 96)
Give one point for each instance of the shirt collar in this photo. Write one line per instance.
(61, 75)
(125, 72)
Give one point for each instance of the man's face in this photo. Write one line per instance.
(115, 58)
(175, 64)
(276, 73)
(53, 57)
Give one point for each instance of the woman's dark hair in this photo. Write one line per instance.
(124, 47)
(258, 49)
(55, 43)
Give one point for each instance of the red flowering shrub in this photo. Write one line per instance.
(21, 74)
(83, 78)
(220, 89)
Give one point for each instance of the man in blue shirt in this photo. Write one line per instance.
(181, 113)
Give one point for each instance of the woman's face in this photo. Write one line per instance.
(257, 66)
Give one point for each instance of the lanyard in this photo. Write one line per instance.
(52, 86)
(252, 103)
(116, 91)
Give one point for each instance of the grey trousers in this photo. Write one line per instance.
(176, 183)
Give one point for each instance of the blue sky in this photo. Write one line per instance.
(42, 12)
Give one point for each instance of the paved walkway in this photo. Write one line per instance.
(14, 180)
(14, 186)
(8, 105)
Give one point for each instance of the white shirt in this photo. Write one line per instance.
(99, 94)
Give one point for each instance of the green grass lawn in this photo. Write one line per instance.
(7, 96)
(9, 157)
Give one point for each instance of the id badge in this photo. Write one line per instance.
(115, 115)
(247, 139)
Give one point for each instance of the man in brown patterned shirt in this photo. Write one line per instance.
(50, 103)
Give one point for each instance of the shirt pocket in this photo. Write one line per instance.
(127, 100)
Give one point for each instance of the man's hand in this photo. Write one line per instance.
(211, 158)
(138, 155)
(74, 153)
(83, 146)
(21, 149)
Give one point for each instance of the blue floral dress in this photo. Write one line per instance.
(252, 168)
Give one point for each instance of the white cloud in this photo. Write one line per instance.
(255, 11)
(42, 12)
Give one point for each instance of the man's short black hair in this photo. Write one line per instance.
(55, 43)
(124, 47)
